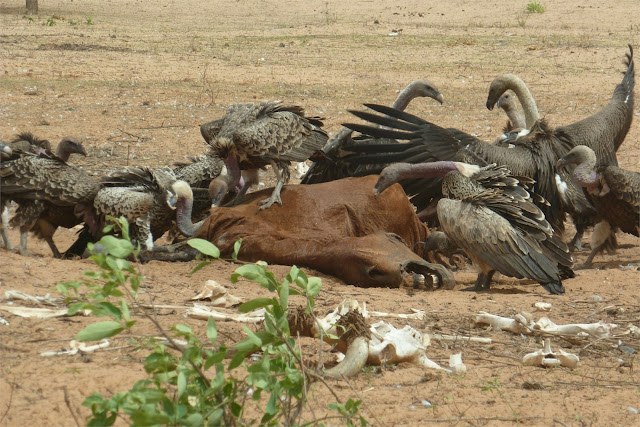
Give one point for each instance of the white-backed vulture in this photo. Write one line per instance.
(252, 136)
(614, 192)
(49, 192)
(490, 214)
(534, 156)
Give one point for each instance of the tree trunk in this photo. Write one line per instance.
(32, 7)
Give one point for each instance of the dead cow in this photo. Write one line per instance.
(338, 228)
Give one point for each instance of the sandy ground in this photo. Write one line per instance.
(135, 79)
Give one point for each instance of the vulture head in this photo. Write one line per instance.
(498, 87)
(507, 100)
(426, 89)
(68, 146)
(579, 155)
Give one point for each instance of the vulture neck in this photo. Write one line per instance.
(424, 170)
(515, 116)
(233, 170)
(585, 174)
(184, 205)
(407, 95)
(517, 85)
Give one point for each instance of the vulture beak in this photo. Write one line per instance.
(562, 162)
(490, 105)
(82, 150)
(440, 98)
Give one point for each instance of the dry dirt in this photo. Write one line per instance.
(135, 79)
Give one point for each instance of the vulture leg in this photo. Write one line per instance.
(46, 232)
(24, 232)
(483, 282)
(576, 242)
(4, 227)
(599, 239)
(275, 197)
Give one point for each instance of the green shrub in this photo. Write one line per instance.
(192, 386)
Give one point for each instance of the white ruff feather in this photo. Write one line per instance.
(182, 189)
(467, 169)
(562, 188)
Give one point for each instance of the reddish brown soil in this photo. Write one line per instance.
(138, 81)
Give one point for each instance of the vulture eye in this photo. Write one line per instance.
(172, 200)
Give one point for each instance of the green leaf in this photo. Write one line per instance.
(236, 249)
(283, 292)
(314, 285)
(256, 303)
(194, 420)
(124, 308)
(237, 359)
(182, 383)
(205, 246)
(108, 309)
(140, 418)
(99, 330)
(119, 248)
(212, 331)
(200, 266)
(183, 328)
(253, 338)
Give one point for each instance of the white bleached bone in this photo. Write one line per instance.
(391, 345)
(218, 294)
(199, 311)
(76, 346)
(40, 313)
(14, 294)
(456, 365)
(520, 324)
(548, 358)
(543, 306)
(598, 330)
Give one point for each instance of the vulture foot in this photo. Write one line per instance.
(443, 277)
(275, 197)
(576, 243)
(483, 282)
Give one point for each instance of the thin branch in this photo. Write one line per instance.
(66, 400)
(12, 385)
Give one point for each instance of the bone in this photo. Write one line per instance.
(597, 330)
(519, 324)
(76, 347)
(548, 358)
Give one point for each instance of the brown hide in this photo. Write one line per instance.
(338, 228)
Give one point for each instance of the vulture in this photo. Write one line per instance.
(603, 131)
(49, 192)
(144, 196)
(328, 164)
(252, 136)
(614, 192)
(490, 214)
(533, 157)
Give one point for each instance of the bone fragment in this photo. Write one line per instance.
(218, 294)
(199, 311)
(547, 358)
(77, 347)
